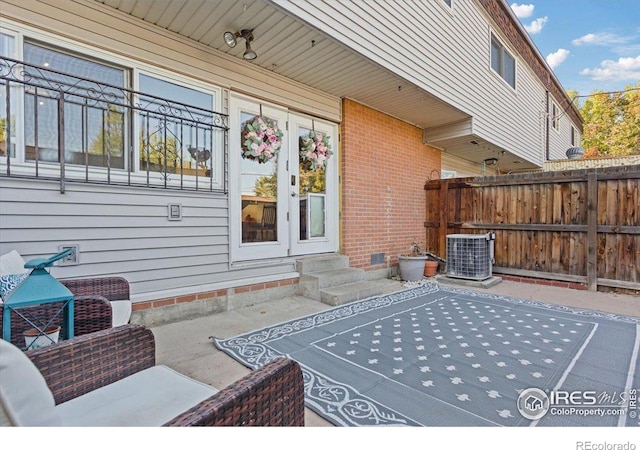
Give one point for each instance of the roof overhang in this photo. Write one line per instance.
(293, 49)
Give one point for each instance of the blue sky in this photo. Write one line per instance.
(589, 44)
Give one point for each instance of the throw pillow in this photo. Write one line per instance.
(9, 282)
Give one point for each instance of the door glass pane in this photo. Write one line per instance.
(312, 185)
(259, 178)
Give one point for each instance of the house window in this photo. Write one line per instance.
(555, 117)
(168, 142)
(502, 62)
(93, 128)
(573, 136)
(107, 117)
(448, 3)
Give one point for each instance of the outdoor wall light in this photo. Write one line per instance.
(491, 161)
(231, 39)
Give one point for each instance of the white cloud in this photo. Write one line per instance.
(556, 58)
(536, 26)
(522, 11)
(601, 39)
(623, 69)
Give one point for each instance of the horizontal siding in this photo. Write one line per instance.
(103, 27)
(446, 52)
(464, 168)
(123, 231)
(560, 140)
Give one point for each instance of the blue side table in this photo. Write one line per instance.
(39, 288)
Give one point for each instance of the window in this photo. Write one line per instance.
(502, 62)
(448, 3)
(108, 117)
(555, 116)
(93, 125)
(573, 136)
(169, 142)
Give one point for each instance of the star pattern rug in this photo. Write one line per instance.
(440, 356)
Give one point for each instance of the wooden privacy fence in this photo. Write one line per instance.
(577, 226)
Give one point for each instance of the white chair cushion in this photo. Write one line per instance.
(151, 397)
(25, 398)
(12, 262)
(120, 312)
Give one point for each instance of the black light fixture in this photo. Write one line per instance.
(491, 161)
(231, 39)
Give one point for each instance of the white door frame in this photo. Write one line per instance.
(240, 251)
(328, 242)
(288, 241)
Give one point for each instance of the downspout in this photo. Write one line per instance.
(548, 116)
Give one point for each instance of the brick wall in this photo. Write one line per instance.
(384, 168)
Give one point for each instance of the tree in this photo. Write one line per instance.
(267, 186)
(109, 139)
(612, 123)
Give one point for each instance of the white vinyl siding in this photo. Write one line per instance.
(446, 52)
(560, 138)
(125, 231)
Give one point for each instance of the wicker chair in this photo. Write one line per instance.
(114, 289)
(93, 309)
(270, 396)
(91, 313)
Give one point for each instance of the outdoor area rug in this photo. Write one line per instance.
(439, 356)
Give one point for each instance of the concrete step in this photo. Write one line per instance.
(311, 283)
(351, 292)
(321, 263)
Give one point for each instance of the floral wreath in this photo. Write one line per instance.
(261, 139)
(314, 150)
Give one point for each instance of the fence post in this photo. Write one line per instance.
(592, 230)
(444, 213)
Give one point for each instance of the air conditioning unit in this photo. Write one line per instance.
(470, 256)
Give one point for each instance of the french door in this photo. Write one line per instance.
(280, 204)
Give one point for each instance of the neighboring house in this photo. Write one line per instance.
(153, 186)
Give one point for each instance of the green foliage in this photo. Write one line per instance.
(267, 186)
(111, 141)
(612, 123)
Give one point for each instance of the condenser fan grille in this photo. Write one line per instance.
(470, 256)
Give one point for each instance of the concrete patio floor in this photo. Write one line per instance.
(186, 346)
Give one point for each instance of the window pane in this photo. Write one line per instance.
(173, 137)
(312, 187)
(259, 184)
(94, 120)
(509, 66)
(7, 48)
(495, 56)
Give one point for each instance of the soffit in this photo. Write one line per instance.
(294, 50)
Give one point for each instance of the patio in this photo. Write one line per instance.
(185, 346)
